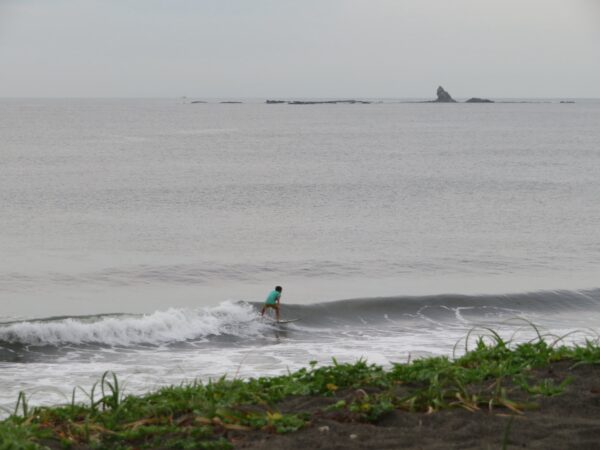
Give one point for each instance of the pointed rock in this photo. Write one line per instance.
(443, 96)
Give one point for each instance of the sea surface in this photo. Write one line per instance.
(140, 236)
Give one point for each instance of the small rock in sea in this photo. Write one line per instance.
(324, 429)
(353, 436)
(479, 100)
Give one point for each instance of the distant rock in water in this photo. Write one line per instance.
(198, 101)
(230, 103)
(443, 96)
(567, 101)
(329, 102)
(319, 102)
(479, 100)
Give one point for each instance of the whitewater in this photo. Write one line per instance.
(141, 236)
(48, 358)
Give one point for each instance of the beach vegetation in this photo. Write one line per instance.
(493, 374)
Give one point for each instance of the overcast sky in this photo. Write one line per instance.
(299, 48)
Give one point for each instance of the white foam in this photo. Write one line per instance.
(160, 327)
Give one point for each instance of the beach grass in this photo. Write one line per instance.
(493, 375)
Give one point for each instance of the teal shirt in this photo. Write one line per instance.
(273, 297)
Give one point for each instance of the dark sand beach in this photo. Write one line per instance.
(570, 420)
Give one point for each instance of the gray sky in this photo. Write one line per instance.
(299, 48)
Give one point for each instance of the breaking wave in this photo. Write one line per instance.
(160, 327)
(232, 322)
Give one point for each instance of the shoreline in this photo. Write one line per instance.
(533, 394)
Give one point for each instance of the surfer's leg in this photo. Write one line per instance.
(277, 312)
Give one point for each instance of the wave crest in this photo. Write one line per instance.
(160, 327)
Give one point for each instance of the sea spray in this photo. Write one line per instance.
(159, 327)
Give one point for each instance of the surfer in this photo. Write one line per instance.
(272, 301)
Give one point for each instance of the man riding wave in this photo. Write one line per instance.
(272, 301)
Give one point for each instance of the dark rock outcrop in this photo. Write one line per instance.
(319, 102)
(443, 96)
(329, 102)
(479, 100)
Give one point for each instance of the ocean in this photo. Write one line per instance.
(141, 236)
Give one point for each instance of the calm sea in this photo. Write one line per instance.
(163, 223)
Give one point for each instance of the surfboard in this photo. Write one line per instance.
(283, 321)
(287, 320)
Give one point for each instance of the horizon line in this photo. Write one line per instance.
(189, 97)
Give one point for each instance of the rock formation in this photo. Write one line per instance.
(443, 96)
(329, 102)
(319, 102)
(479, 100)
